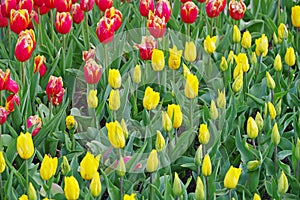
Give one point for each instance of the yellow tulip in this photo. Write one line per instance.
(259, 121)
(48, 167)
(151, 98)
(256, 197)
(210, 44)
(204, 134)
(158, 60)
(275, 138)
(296, 16)
(89, 166)
(190, 52)
(206, 166)
(262, 45)
(114, 100)
(65, 167)
(177, 189)
(253, 165)
(71, 188)
(221, 100)
(71, 122)
(290, 58)
(152, 161)
(282, 32)
(199, 193)
(160, 141)
(175, 58)
(115, 134)
(124, 128)
(246, 40)
(270, 81)
(230, 57)
(166, 121)
(137, 74)
(297, 149)
(2, 162)
(129, 197)
(186, 71)
(223, 64)
(238, 83)
(278, 107)
(283, 184)
(278, 63)
(253, 58)
(175, 115)
(23, 197)
(213, 111)
(272, 110)
(95, 185)
(92, 99)
(236, 36)
(191, 86)
(252, 129)
(242, 60)
(232, 177)
(198, 156)
(31, 192)
(275, 38)
(114, 78)
(25, 146)
(121, 168)
(237, 71)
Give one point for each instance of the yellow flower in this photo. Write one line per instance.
(199, 193)
(253, 58)
(278, 63)
(204, 134)
(256, 197)
(210, 44)
(65, 167)
(221, 100)
(89, 166)
(275, 38)
(190, 52)
(223, 64)
(236, 36)
(129, 197)
(152, 161)
(160, 141)
(175, 115)
(206, 166)
(262, 45)
(166, 121)
(137, 74)
(177, 189)
(2, 162)
(114, 78)
(259, 121)
(253, 165)
(92, 99)
(297, 149)
(25, 146)
(198, 156)
(124, 128)
(31, 192)
(230, 57)
(246, 40)
(158, 60)
(71, 122)
(71, 188)
(270, 82)
(191, 86)
(115, 134)
(237, 71)
(186, 71)
(238, 83)
(232, 177)
(151, 98)
(282, 32)
(23, 197)
(296, 16)
(283, 184)
(275, 138)
(242, 60)
(213, 111)
(290, 57)
(252, 129)
(272, 110)
(114, 100)
(48, 167)
(95, 185)
(175, 58)
(121, 168)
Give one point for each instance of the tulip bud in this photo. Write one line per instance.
(48, 167)
(210, 44)
(146, 6)
(163, 9)
(282, 32)
(137, 74)
(25, 45)
(198, 156)
(270, 82)
(25, 146)
(186, 71)
(89, 166)
(121, 169)
(124, 128)
(191, 86)
(95, 185)
(189, 12)
(32, 192)
(55, 90)
(175, 58)
(105, 30)
(177, 189)
(206, 166)
(238, 83)
(160, 141)
(246, 40)
(278, 107)
(236, 34)
(77, 13)
(116, 16)
(242, 61)
(92, 71)
(151, 98)
(214, 8)
(92, 99)
(199, 193)
(283, 184)
(19, 20)
(223, 65)
(65, 167)
(158, 60)
(104, 4)
(221, 100)
(7, 6)
(71, 188)
(237, 71)
(295, 16)
(156, 25)
(71, 122)
(114, 78)
(114, 100)
(237, 9)
(253, 165)
(166, 121)
(175, 115)
(3, 115)
(204, 134)
(259, 121)
(213, 111)
(290, 58)
(3, 20)
(275, 138)
(190, 52)
(252, 129)
(63, 22)
(23, 197)
(253, 58)
(86, 5)
(115, 134)
(232, 177)
(2, 162)
(39, 65)
(230, 57)
(297, 149)
(152, 162)
(278, 63)
(10, 103)
(256, 197)
(262, 45)
(275, 38)
(272, 110)
(63, 5)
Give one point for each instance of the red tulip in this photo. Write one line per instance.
(19, 20)
(43, 9)
(237, 9)
(184, 1)
(156, 25)
(63, 5)
(33, 16)
(3, 20)
(36, 122)
(105, 30)
(63, 22)
(3, 115)
(215, 7)
(163, 9)
(92, 71)
(86, 55)
(104, 4)
(38, 3)
(55, 90)
(50, 3)
(77, 13)
(39, 65)
(7, 6)
(11, 101)
(146, 47)
(146, 6)
(201, 1)
(116, 15)
(25, 45)
(189, 12)
(6, 83)
(86, 5)
(26, 4)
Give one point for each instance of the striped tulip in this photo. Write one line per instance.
(115, 15)
(104, 4)
(63, 22)
(156, 25)
(25, 45)
(19, 20)
(105, 30)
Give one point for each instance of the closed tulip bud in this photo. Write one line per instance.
(19, 20)
(296, 16)
(272, 110)
(114, 78)
(115, 134)
(237, 71)
(232, 177)
(3, 115)
(221, 100)
(210, 44)
(160, 141)
(104, 4)
(204, 134)
(186, 71)
(256, 197)
(152, 161)
(25, 45)
(253, 58)
(275, 138)
(190, 52)
(92, 99)
(259, 121)
(213, 111)
(25, 146)
(175, 115)
(55, 90)
(105, 30)
(48, 167)
(278, 63)
(121, 168)
(290, 58)
(124, 128)
(166, 122)
(270, 82)
(146, 6)
(71, 122)
(151, 98)
(177, 189)
(189, 12)
(297, 149)
(238, 83)
(262, 45)
(137, 74)
(23, 197)
(163, 9)
(242, 61)
(158, 60)
(175, 58)
(237, 9)
(236, 34)
(92, 71)
(282, 32)
(31, 192)
(156, 25)
(283, 184)
(275, 38)
(86, 5)
(278, 107)
(223, 64)
(116, 16)
(252, 129)
(39, 65)
(230, 57)
(7, 6)
(95, 185)
(253, 165)
(214, 8)
(2, 162)
(191, 86)
(246, 40)
(206, 166)
(71, 188)
(199, 193)
(77, 13)
(26, 4)
(198, 156)
(65, 167)
(114, 100)
(129, 197)
(63, 5)
(63, 22)
(3, 20)
(89, 166)
(49, 3)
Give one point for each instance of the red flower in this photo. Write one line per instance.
(92, 71)
(104, 4)
(201, 1)
(7, 6)
(33, 16)
(215, 7)
(55, 90)
(6, 83)
(77, 13)
(36, 122)
(237, 9)
(25, 45)
(38, 3)
(189, 12)
(116, 15)
(63, 22)
(63, 5)
(19, 20)
(163, 9)
(146, 6)
(184, 1)
(105, 30)
(156, 25)
(86, 5)
(146, 47)
(39, 65)
(50, 3)
(86, 55)
(3, 20)
(26, 4)
(11, 101)
(3, 115)
(43, 9)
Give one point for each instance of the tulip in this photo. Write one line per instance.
(175, 115)
(3, 20)
(90, 54)
(190, 52)
(152, 162)
(277, 63)
(11, 101)
(7, 6)
(158, 60)
(295, 16)
(206, 166)
(297, 149)
(25, 45)
(63, 5)
(71, 122)
(223, 64)
(39, 65)
(95, 185)
(129, 197)
(25, 146)
(236, 34)
(238, 83)
(104, 4)
(65, 167)
(151, 98)
(32, 192)
(232, 177)
(92, 99)
(213, 111)
(204, 134)
(175, 58)
(146, 6)
(156, 25)
(230, 57)
(259, 121)
(3, 115)
(89, 166)
(115, 134)
(86, 5)
(278, 107)
(160, 141)
(92, 71)
(191, 86)
(2, 162)
(270, 82)
(166, 122)
(63, 22)
(114, 100)
(262, 45)
(214, 7)
(114, 78)
(199, 193)
(124, 128)
(283, 184)
(186, 71)
(146, 47)
(275, 137)
(55, 90)
(163, 9)
(26, 4)
(23, 197)
(246, 40)
(121, 168)
(256, 197)
(50, 3)
(137, 74)
(210, 44)
(242, 61)
(290, 58)
(238, 70)
(36, 122)
(272, 110)
(198, 156)
(253, 59)
(71, 188)
(221, 100)
(177, 189)
(237, 9)
(116, 16)
(43, 9)
(189, 12)
(252, 129)
(253, 165)
(48, 167)
(282, 32)
(105, 30)
(77, 13)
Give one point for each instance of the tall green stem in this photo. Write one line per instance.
(275, 158)
(86, 31)
(1, 192)
(191, 112)
(50, 108)
(278, 10)
(23, 73)
(207, 187)
(40, 27)
(151, 192)
(121, 188)
(52, 26)
(26, 174)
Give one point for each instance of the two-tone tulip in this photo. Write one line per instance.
(7, 6)
(26, 4)
(214, 7)
(77, 13)
(63, 5)
(3, 115)
(63, 22)
(163, 9)
(55, 90)
(6, 83)
(115, 134)
(189, 12)
(151, 98)
(237, 9)
(19, 20)
(89, 166)
(50, 3)
(86, 5)
(92, 71)
(25, 45)
(11, 101)
(39, 65)
(36, 122)
(48, 167)
(156, 25)
(105, 30)
(146, 47)
(25, 146)
(115, 15)
(146, 6)
(104, 4)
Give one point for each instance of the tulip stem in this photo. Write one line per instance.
(207, 188)
(40, 26)
(23, 73)
(191, 112)
(272, 96)
(289, 77)
(26, 174)
(86, 31)
(253, 143)
(275, 158)
(121, 188)
(1, 192)
(189, 31)
(50, 108)
(259, 66)
(52, 26)
(151, 196)
(278, 10)
(229, 194)
(297, 169)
